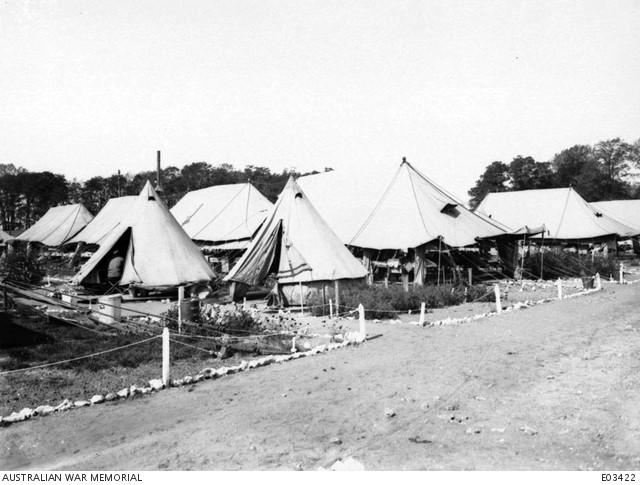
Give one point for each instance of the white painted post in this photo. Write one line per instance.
(330, 308)
(301, 301)
(598, 282)
(180, 300)
(363, 330)
(622, 274)
(293, 345)
(559, 284)
(422, 308)
(470, 270)
(496, 289)
(165, 357)
(244, 303)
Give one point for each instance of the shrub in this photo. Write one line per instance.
(381, 302)
(20, 267)
(562, 264)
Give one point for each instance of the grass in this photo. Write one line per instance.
(26, 341)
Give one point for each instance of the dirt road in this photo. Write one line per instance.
(553, 387)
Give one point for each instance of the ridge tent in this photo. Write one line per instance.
(412, 217)
(106, 221)
(412, 211)
(299, 248)
(222, 213)
(565, 215)
(57, 225)
(158, 251)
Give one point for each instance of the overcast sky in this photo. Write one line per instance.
(90, 87)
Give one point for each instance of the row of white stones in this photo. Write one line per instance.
(158, 385)
(516, 306)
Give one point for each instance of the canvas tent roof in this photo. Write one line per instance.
(565, 215)
(297, 244)
(625, 211)
(58, 225)
(222, 213)
(412, 211)
(106, 221)
(158, 251)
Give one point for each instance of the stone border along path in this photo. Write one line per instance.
(515, 306)
(157, 384)
(210, 373)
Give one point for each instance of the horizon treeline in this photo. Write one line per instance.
(608, 170)
(26, 196)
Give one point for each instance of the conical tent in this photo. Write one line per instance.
(158, 251)
(565, 215)
(414, 211)
(296, 246)
(58, 225)
(222, 213)
(106, 221)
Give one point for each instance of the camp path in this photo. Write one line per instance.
(555, 386)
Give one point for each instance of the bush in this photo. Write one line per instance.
(381, 302)
(562, 264)
(19, 267)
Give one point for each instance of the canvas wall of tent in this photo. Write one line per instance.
(298, 250)
(58, 225)
(566, 216)
(157, 251)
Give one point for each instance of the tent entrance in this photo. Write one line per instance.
(98, 276)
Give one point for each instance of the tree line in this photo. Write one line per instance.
(604, 171)
(25, 196)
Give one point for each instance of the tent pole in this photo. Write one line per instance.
(337, 290)
(180, 305)
(524, 243)
(439, 257)
(542, 256)
(324, 297)
(301, 302)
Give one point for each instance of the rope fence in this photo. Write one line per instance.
(171, 337)
(77, 358)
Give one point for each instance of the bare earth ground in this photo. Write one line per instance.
(553, 387)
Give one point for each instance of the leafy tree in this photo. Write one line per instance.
(39, 192)
(494, 179)
(9, 169)
(197, 175)
(568, 164)
(10, 197)
(527, 174)
(614, 156)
